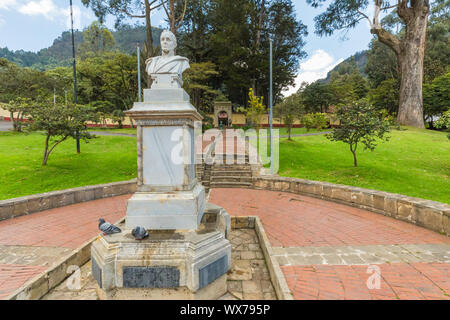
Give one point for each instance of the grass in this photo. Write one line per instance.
(413, 162)
(282, 131)
(102, 160)
(115, 130)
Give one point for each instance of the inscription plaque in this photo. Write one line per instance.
(151, 277)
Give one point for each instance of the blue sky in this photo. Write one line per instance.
(33, 24)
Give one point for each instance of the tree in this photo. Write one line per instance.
(123, 9)
(317, 97)
(409, 49)
(359, 123)
(385, 96)
(175, 12)
(444, 122)
(58, 122)
(18, 108)
(255, 110)
(96, 40)
(436, 97)
(289, 110)
(198, 84)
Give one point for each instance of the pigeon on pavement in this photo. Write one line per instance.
(139, 233)
(107, 227)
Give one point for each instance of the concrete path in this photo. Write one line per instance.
(331, 251)
(5, 125)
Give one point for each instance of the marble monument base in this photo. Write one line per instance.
(164, 211)
(169, 264)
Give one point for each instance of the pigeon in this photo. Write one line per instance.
(139, 233)
(107, 227)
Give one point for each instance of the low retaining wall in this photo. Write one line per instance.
(38, 202)
(425, 213)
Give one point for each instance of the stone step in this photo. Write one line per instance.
(230, 184)
(231, 179)
(245, 173)
(231, 167)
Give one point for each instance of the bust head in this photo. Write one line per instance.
(168, 42)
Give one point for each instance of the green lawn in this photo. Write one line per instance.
(413, 162)
(102, 160)
(115, 130)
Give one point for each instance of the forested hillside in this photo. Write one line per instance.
(60, 52)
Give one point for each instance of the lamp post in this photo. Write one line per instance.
(270, 105)
(139, 71)
(74, 73)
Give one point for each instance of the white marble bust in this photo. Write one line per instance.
(167, 62)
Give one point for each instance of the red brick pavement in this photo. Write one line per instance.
(69, 226)
(414, 281)
(12, 276)
(291, 220)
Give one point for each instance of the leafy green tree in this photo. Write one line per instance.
(126, 9)
(381, 63)
(58, 122)
(96, 40)
(315, 120)
(436, 97)
(444, 122)
(317, 96)
(255, 110)
(18, 108)
(198, 82)
(289, 110)
(409, 48)
(110, 77)
(385, 95)
(360, 123)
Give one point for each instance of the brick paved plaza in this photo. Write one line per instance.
(324, 248)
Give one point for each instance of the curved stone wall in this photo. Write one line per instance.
(425, 213)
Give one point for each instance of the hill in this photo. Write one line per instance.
(358, 60)
(60, 52)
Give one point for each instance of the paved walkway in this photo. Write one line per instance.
(332, 251)
(31, 244)
(326, 250)
(5, 125)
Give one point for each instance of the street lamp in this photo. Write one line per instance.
(270, 105)
(74, 73)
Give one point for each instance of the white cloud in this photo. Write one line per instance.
(7, 4)
(316, 67)
(43, 7)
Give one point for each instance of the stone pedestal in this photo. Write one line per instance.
(187, 254)
(189, 264)
(169, 195)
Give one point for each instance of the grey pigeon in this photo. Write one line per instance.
(139, 233)
(107, 227)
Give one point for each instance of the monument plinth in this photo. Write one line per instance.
(187, 254)
(169, 195)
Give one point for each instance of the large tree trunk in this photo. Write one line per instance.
(412, 51)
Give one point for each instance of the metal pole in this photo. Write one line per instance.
(54, 95)
(270, 104)
(139, 72)
(74, 73)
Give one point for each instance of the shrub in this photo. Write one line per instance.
(315, 120)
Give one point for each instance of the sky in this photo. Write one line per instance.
(33, 24)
